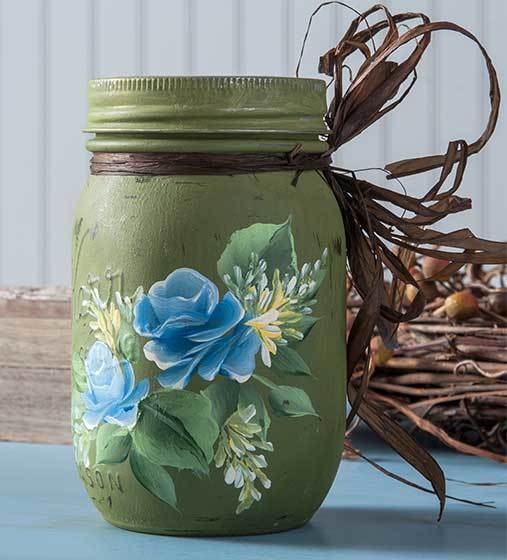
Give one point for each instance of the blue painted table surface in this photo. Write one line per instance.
(45, 514)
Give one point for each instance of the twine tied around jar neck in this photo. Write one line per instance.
(377, 238)
(198, 163)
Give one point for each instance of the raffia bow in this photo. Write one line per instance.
(372, 229)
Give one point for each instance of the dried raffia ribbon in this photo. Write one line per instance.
(371, 228)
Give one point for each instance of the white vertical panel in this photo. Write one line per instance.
(321, 38)
(328, 25)
(237, 33)
(367, 150)
(495, 203)
(67, 159)
(287, 33)
(409, 127)
(262, 41)
(213, 37)
(117, 38)
(460, 99)
(22, 138)
(164, 37)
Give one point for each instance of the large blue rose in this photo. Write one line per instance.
(191, 331)
(112, 395)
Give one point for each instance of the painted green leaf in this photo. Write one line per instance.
(291, 401)
(280, 251)
(78, 372)
(248, 394)
(265, 381)
(176, 428)
(287, 360)
(318, 278)
(164, 441)
(129, 343)
(154, 478)
(223, 395)
(113, 444)
(272, 242)
(306, 324)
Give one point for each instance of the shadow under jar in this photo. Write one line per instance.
(208, 306)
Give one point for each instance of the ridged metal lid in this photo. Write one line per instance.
(202, 104)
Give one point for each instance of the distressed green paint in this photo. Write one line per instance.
(146, 227)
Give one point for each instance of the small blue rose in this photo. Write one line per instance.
(112, 395)
(192, 331)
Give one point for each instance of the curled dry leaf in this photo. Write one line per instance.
(433, 269)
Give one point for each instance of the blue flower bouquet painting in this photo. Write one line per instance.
(190, 328)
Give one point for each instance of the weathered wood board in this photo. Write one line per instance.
(35, 357)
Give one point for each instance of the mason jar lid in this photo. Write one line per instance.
(158, 113)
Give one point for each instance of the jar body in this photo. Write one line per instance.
(159, 375)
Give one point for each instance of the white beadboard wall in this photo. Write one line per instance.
(50, 48)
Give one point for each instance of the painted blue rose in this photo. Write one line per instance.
(192, 331)
(112, 395)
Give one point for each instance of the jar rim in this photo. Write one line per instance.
(272, 107)
(156, 80)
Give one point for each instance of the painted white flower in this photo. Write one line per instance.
(238, 452)
(276, 312)
(82, 437)
(268, 329)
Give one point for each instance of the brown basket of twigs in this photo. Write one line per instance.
(448, 374)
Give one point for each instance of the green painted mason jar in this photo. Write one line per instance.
(208, 309)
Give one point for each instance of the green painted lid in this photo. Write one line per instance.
(237, 113)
